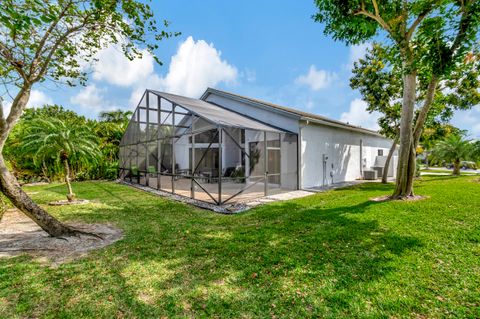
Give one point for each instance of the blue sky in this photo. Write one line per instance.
(269, 50)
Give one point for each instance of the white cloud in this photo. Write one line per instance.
(38, 99)
(92, 98)
(357, 52)
(358, 115)
(316, 79)
(195, 66)
(114, 68)
(7, 106)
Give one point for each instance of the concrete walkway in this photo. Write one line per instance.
(279, 197)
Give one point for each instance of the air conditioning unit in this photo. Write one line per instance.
(370, 174)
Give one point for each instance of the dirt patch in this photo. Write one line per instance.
(67, 202)
(387, 198)
(20, 235)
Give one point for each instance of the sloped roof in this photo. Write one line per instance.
(215, 114)
(301, 115)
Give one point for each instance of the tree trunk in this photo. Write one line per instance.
(11, 188)
(9, 184)
(388, 160)
(456, 167)
(45, 171)
(405, 171)
(3, 207)
(71, 195)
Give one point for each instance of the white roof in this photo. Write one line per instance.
(216, 114)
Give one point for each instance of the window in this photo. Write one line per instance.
(380, 152)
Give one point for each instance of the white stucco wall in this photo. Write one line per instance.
(182, 155)
(342, 147)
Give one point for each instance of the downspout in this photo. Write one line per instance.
(361, 158)
(299, 157)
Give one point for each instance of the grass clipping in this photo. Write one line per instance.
(19, 235)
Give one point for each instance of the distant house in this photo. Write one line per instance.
(224, 147)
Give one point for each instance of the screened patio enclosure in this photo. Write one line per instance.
(200, 150)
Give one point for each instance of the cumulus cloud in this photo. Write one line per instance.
(38, 99)
(316, 79)
(195, 66)
(358, 115)
(114, 68)
(92, 98)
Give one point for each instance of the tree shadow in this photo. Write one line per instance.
(304, 259)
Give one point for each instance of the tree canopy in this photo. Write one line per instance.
(29, 167)
(430, 39)
(378, 77)
(44, 40)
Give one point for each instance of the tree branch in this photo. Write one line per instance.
(378, 19)
(7, 54)
(45, 37)
(463, 25)
(422, 116)
(375, 6)
(416, 23)
(54, 48)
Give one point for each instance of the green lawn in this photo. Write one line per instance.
(446, 171)
(330, 255)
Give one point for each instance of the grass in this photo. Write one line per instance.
(446, 171)
(330, 255)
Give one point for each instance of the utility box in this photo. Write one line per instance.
(370, 175)
(379, 170)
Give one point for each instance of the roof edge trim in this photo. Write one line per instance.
(297, 114)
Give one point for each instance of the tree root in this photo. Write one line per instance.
(388, 198)
(77, 233)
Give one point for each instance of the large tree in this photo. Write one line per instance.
(378, 77)
(429, 37)
(53, 40)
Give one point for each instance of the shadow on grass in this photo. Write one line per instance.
(179, 261)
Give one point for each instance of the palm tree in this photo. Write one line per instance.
(54, 139)
(453, 149)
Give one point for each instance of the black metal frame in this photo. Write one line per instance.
(131, 144)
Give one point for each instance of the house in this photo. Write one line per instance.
(225, 147)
